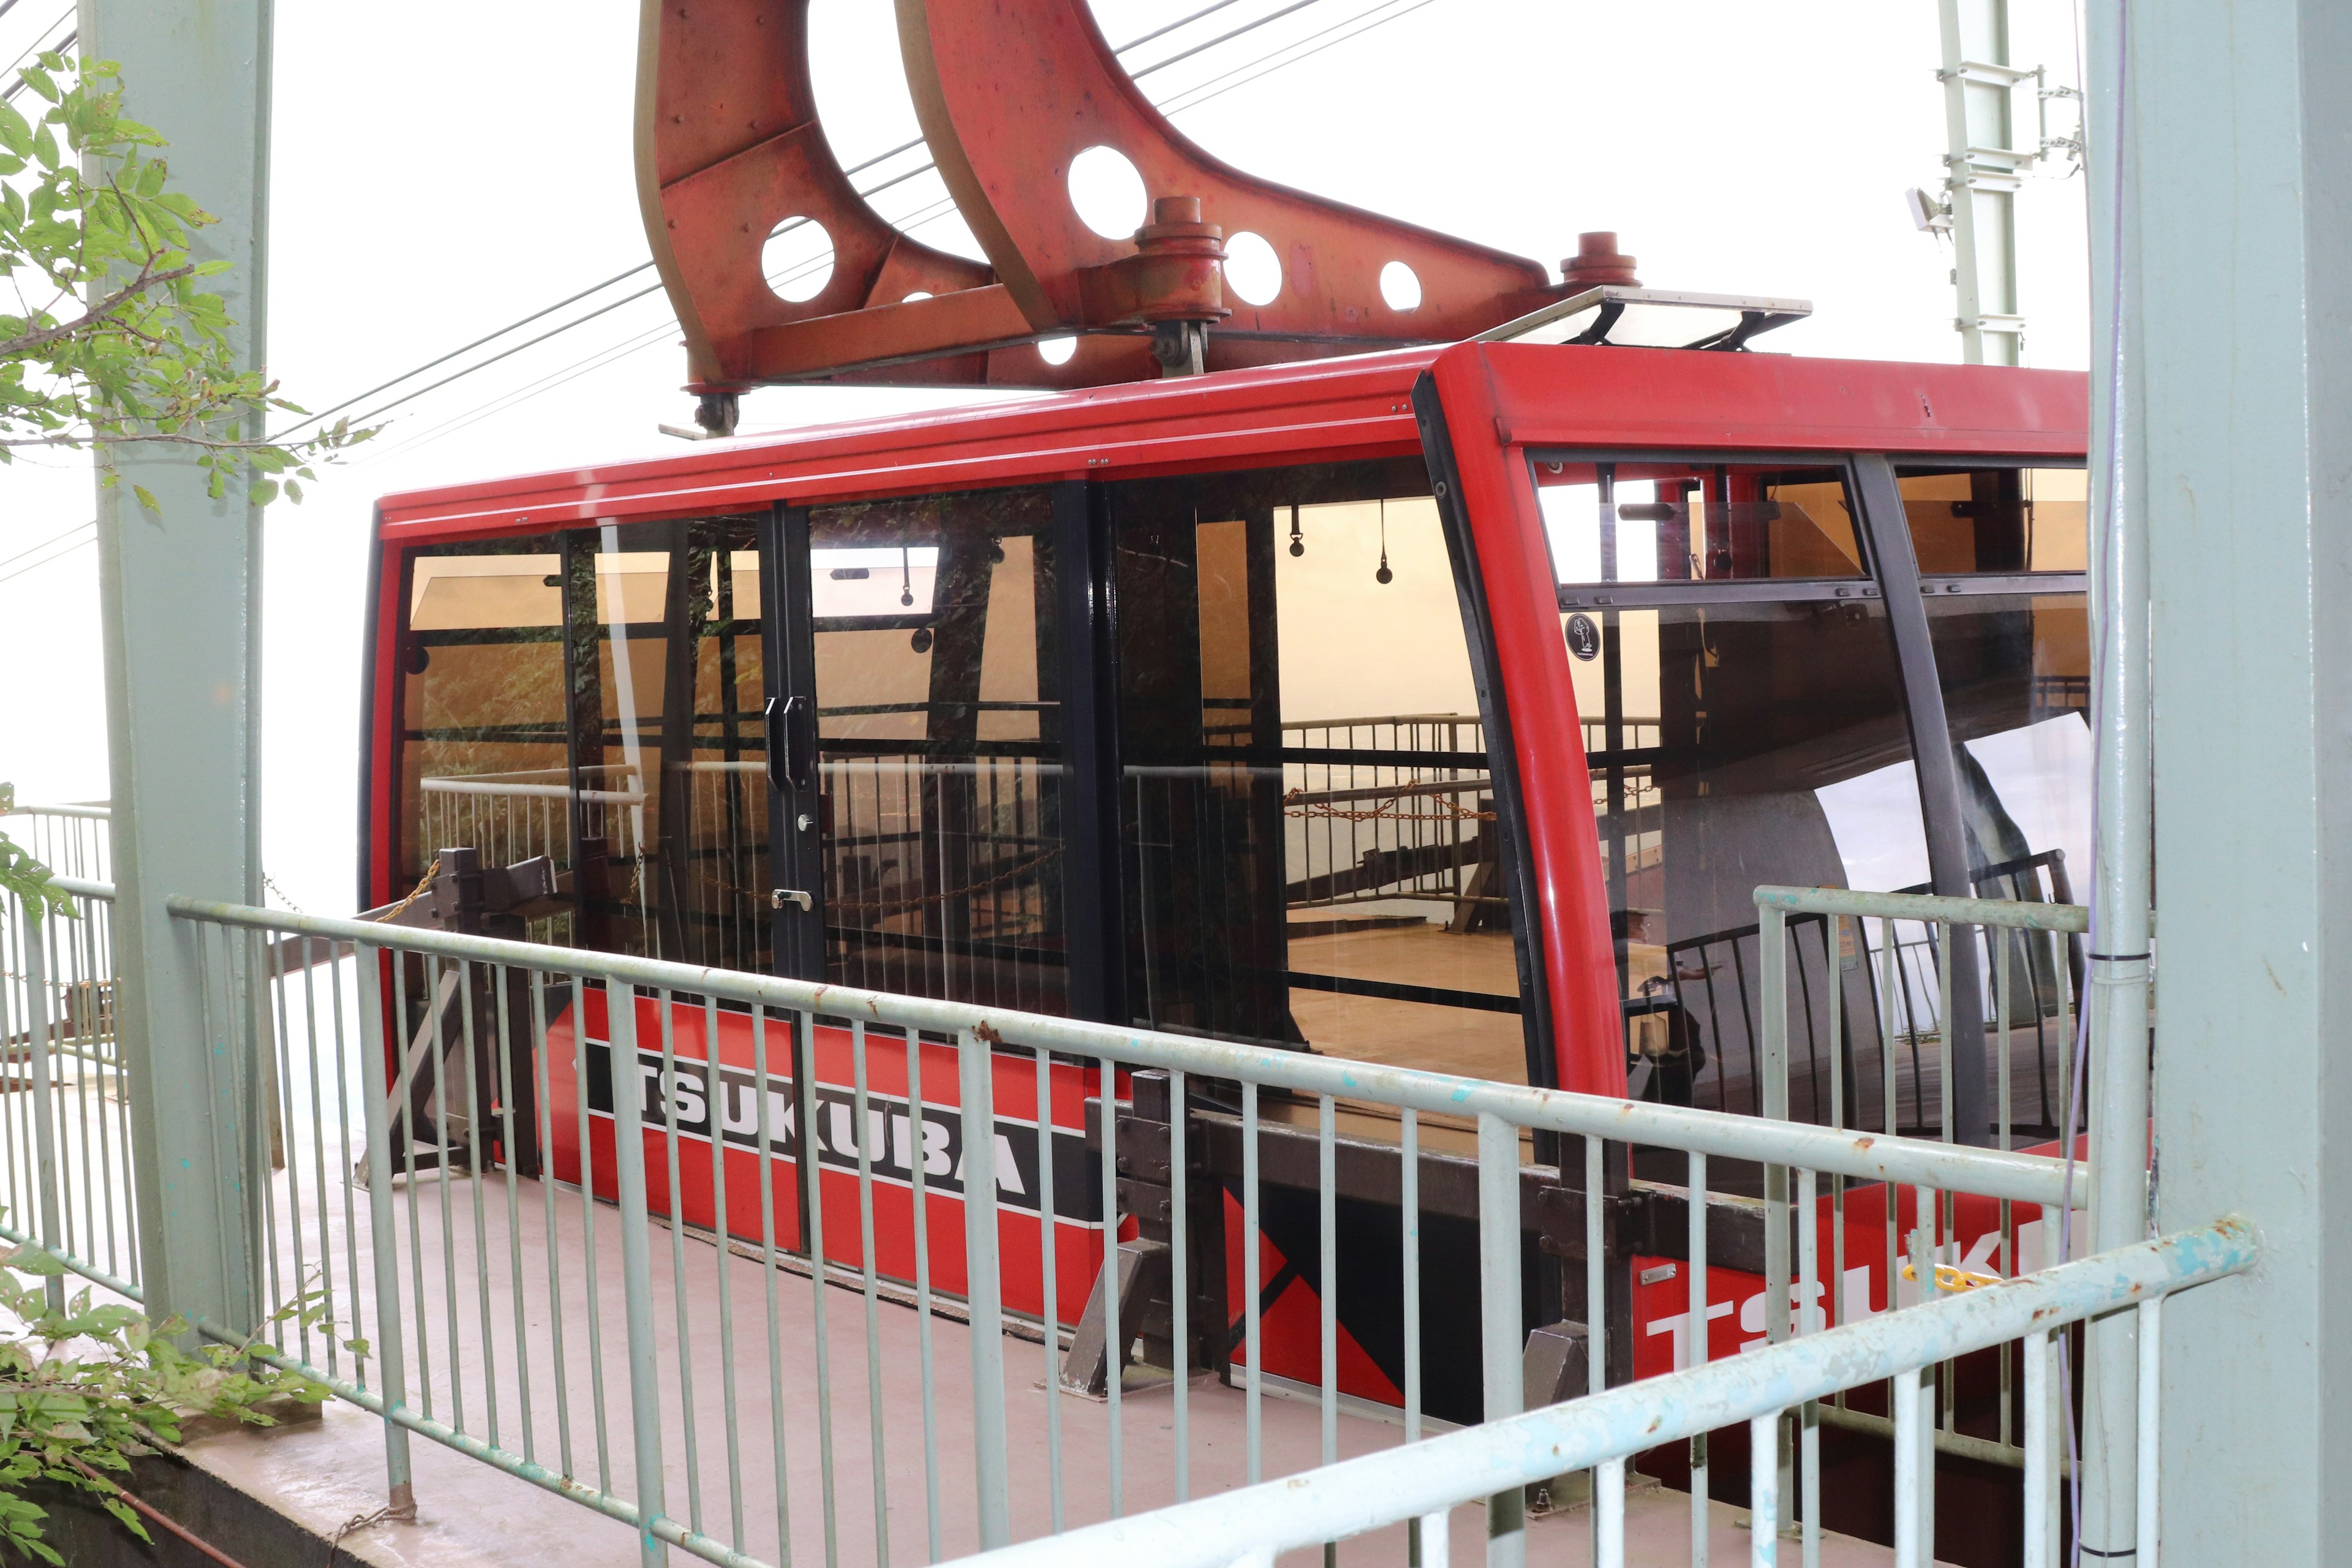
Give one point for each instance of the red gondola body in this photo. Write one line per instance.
(1470, 415)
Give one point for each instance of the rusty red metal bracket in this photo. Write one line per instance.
(1008, 94)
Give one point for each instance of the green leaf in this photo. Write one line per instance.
(146, 497)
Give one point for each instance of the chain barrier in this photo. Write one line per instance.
(1294, 804)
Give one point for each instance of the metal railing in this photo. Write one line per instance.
(1398, 807)
(2022, 945)
(64, 1118)
(1604, 1430)
(526, 814)
(435, 1152)
(505, 1080)
(68, 839)
(1861, 987)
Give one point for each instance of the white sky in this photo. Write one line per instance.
(441, 169)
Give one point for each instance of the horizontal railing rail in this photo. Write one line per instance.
(2023, 1178)
(1422, 1484)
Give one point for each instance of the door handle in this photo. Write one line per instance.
(792, 741)
(781, 898)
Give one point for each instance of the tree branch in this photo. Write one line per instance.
(31, 341)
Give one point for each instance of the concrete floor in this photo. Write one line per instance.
(331, 1471)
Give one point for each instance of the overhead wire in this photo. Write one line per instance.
(43, 544)
(606, 356)
(39, 45)
(52, 559)
(1181, 104)
(1273, 60)
(602, 357)
(884, 156)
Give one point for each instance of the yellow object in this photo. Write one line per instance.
(1950, 1278)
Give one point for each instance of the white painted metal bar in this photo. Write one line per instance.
(1408, 1217)
(1500, 1338)
(637, 1265)
(812, 1186)
(878, 1449)
(1431, 1532)
(1253, 1288)
(766, 1131)
(1914, 1460)
(1809, 1415)
(982, 1295)
(1694, 1336)
(1609, 1514)
(1180, 1280)
(1926, 908)
(1327, 1274)
(719, 1113)
(1394, 1484)
(391, 1358)
(1764, 1490)
(1115, 1340)
(2040, 1547)
(1048, 1285)
(625, 1086)
(45, 1132)
(2151, 1363)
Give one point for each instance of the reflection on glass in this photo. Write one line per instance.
(484, 760)
(1996, 519)
(541, 680)
(938, 745)
(1626, 522)
(1731, 745)
(2015, 671)
(1313, 854)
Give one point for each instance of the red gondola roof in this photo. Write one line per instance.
(1316, 411)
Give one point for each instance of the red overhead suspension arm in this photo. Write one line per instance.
(1008, 92)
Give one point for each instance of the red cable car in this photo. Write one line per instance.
(1441, 706)
(1436, 707)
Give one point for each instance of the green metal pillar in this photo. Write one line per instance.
(2234, 444)
(181, 597)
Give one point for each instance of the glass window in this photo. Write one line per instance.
(713, 823)
(1690, 522)
(1730, 745)
(939, 743)
(1996, 519)
(2015, 671)
(538, 676)
(1313, 856)
(485, 761)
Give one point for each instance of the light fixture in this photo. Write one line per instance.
(1297, 540)
(905, 579)
(1929, 216)
(1384, 577)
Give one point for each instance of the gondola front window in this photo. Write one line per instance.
(1744, 722)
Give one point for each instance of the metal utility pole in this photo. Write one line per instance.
(2221, 291)
(181, 597)
(1984, 165)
